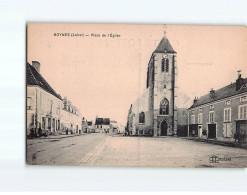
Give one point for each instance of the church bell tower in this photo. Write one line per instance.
(164, 89)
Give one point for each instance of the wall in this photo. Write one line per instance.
(43, 104)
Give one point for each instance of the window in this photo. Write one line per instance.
(228, 102)
(211, 117)
(49, 123)
(193, 119)
(53, 124)
(142, 117)
(200, 110)
(242, 115)
(243, 99)
(211, 106)
(227, 130)
(227, 114)
(43, 122)
(29, 100)
(50, 106)
(164, 107)
(200, 118)
(193, 111)
(165, 65)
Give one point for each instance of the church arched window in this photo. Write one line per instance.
(165, 65)
(142, 117)
(164, 107)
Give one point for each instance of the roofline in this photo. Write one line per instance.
(219, 100)
(44, 90)
(166, 52)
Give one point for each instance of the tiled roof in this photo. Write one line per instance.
(102, 121)
(34, 78)
(224, 92)
(164, 45)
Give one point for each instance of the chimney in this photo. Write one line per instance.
(36, 65)
(195, 100)
(212, 93)
(239, 81)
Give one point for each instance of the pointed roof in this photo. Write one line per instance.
(34, 78)
(164, 45)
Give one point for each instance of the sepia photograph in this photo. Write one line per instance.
(136, 95)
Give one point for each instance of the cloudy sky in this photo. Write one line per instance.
(104, 75)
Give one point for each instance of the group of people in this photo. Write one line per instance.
(34, 133)
(240, 137)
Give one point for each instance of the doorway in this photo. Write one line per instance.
(164, 128)
(200, 130)
(212, 131)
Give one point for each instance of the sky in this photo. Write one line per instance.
(104, 75)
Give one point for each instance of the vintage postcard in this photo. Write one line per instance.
(136, 95)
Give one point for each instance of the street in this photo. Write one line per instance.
(108, 150)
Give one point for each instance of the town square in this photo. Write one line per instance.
(132, 108)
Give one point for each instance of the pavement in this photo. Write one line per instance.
(106, 150)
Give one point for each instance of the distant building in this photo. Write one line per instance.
(84, 125)
(114, 126)
(43, 103)
(221, 114)
(71, 117)
(90, 127)
(121, 129)
(102, 125)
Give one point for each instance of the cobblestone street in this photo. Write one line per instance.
(106, 150)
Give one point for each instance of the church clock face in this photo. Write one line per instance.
(165, 56)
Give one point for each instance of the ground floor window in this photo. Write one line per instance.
(193, 130)
(53, 124)
(43, 122)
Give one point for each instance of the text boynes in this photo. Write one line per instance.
(82, 35)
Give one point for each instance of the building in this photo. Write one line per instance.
(84, 125)
(113, 126)
(121, 129)
(155, 113)
(90, 127)
(70, 118)
(44, 105)
(221, 114)
(102, 125)
(45, 108)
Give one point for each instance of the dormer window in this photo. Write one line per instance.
(243, 99)
(228, 102)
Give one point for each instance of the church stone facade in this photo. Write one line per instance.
(154, 113)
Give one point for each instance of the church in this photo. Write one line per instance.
(155, 112)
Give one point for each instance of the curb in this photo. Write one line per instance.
(228, 144)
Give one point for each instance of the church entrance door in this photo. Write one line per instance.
(164, 128)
